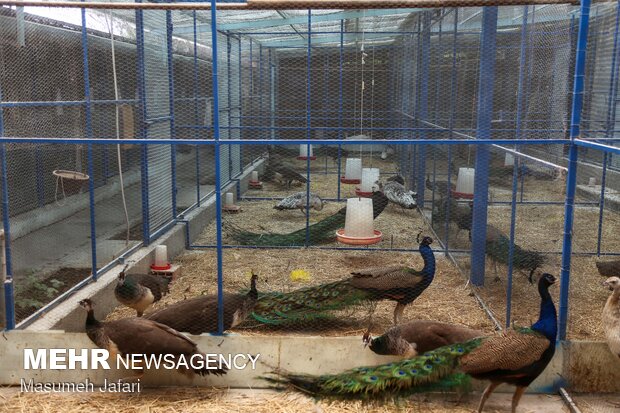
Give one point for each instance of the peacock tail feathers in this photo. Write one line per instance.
(308, 303)
(434, 370)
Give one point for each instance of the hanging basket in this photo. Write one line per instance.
(68, 183)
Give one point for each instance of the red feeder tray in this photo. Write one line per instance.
(303, 158)
(359, 240)
(161, 268)
(344, 180)
(232, 209)
(462, 195)
(362, 194)
(256, 185)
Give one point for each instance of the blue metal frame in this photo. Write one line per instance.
(89, 134)
(484, 116)
(196, 109)
(173, 152)
(423, 104)
(308, 125)
(571, 179)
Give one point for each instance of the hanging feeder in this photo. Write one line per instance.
(353, 171)
(303, 153)
(359, 224)
(74, 179)
(369, 177)
(465, 184)
(254, 182)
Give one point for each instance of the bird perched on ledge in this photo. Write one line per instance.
(140, 291)
(398, 283)
(142, 337)
(418, 337)
(516, 357)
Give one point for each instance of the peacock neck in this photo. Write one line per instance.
(429, 260)
(91, 321)
(547, 319)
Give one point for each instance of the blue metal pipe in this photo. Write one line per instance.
(196, 110)
(57, 103)
(228, 100)
(173, 152)
(9, 296)
(484, 116)
(601, 210)
(240, 97)
(515, 168)
(571, 179)
(218, 185)
(423, 108)
(308, 120)
(89, 135)
(340, 84)
(142, 133)
(594, 145)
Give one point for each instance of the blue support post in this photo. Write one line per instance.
(173, 149)
(241, 166)
(340, 105)
(308, 120)
(9, 297)
(196, 109)
(515, 168)
(229, 100)
(218, 185)
(89, 135)
(484, 117)
(260, 86)
(571, 179)
(325, 99)
(423, 108)
(142, 133)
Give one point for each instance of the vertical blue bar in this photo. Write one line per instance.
(515, 168)
(453, 89)
(196, 109)
(144, 170)
(308, 115)
(40, 180)
(9, 299)
(89, 135)
(484, 116)
(326, 112)
(228, 98)
(423, 108)
(260, 90)
(340, 105)
(218, 186)
(241, 166)
(571, 179)
(611, 115)
(173, 149)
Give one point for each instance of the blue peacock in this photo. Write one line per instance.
(397, 283)
(516, 357)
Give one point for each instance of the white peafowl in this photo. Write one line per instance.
(298, 201)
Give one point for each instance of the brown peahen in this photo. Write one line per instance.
(515, 357)
(140, 291)
(322, 232)
(611, 315)
(199, 315)
(397, 283)
(139, 336)
(418, 337)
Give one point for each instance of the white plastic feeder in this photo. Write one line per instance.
(303, 152)
(254, 182)
(369, 177)
(229, 200)
(254, 176)
(229, 203)
(509, 160)
(353, 171)
(359, 225)
(161, 259)
(465, 183)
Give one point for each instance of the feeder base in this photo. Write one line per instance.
(231, 209)
(304, 158)
(174, 271)
(358, 240)
(363, 194)
(255, 185)
(344, 180)
(462, 195)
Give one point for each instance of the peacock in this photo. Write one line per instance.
(394, 190)
(397, 283)
(516, 357)
(322, 232)
(278, 168)
(298, 201)
(419, 336)
(497, 245)
(140, 291)
(611, 316)
(441, 187)
(462, 215)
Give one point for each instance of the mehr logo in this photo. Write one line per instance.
(70, 359)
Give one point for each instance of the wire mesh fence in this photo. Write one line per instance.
(361, 163)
